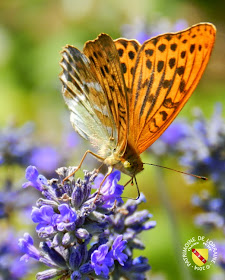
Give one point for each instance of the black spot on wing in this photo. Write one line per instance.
(162, 47)
(132, 70)
(168, 103)
(182, 86)
(173, 47)
(160, 65)
(164, 115)
(172, 62)
(145, 83)
(102, 71)
(168, 37)
(149, 52)
(153, 122)
(131, 55)
(135, 45)
(92, 60)
(167, 83)
(180, 70)
(155, 41)
(124, 43)
(148, 64)
(192, 48)
(183, 53)
(150, 98)
(124, 67)
(112, 88)
(106, 69)
(120, 52)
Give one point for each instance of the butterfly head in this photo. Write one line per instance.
(130, 166)
(130, 163)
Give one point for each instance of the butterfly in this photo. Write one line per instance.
(122, 95)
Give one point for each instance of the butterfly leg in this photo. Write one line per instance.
(110, 170)
(132, 183)
(79, 166)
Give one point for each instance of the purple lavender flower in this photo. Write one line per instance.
(45, 217)
(110, 190)
(27, 247)
(34, 179)
(84, 235)
(101, 260)
(118, 246)
(133, 269)
(65, 220)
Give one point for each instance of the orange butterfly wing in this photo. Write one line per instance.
(128, 50)
(167, 70)
(105, 63)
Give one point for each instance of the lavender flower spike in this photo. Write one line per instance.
(83, 237)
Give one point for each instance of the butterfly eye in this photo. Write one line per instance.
(127, 164)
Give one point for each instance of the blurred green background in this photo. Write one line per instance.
(32, 33)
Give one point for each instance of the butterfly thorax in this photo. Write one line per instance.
(130, 163)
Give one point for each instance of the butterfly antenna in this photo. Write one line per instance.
(193, 175)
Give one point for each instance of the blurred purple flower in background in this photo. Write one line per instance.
(142, 30)
(10, 265)
(47, 159)
(203, 147)
(221, 254)
(200, 147)
(18, 149)
(169, 141)
(72, 140)
(16, 144)
(26, 245)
